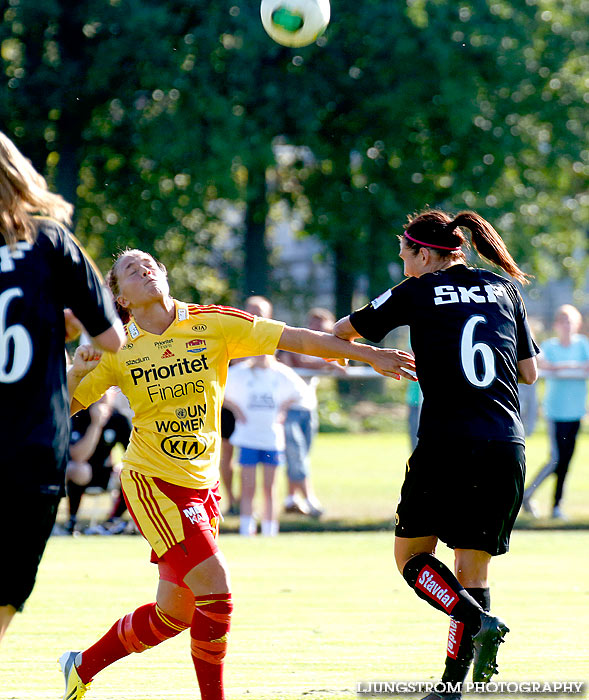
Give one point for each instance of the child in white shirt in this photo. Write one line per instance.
(259, 392)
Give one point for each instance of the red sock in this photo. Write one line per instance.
(135, 632)
(209, 631)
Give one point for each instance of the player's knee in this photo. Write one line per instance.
(80, 473)
(471, 567)
(210, 576)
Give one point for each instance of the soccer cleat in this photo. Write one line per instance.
(486, 645)
(74, 688)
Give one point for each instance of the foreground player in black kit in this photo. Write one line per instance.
(42, 271)
(472, 343)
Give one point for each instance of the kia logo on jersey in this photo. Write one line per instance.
(183, 446)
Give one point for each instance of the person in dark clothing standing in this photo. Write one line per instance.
(42, 271)
(472, 343)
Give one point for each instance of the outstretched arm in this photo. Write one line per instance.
(385, 361)
(344, 329)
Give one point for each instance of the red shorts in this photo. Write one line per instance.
(180, 524)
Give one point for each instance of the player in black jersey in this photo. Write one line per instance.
(472, 344)
(42, 271)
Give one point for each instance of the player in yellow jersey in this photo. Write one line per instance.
(173, 370)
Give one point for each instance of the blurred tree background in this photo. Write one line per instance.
(180, 127)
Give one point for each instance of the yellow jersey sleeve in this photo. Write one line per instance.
(248, 335)
(95, 383)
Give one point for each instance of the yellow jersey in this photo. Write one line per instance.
(175, 384)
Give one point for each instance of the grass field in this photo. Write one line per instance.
(358, 477)
(315, 613)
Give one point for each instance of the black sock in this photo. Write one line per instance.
(74, 495)
(435, 583)
(459, 650)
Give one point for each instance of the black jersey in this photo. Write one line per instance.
(468, 331)
(37, 281)
(117, 430)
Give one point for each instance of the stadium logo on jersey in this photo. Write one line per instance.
(136, 361)
(196, 345)
(183, 447)
(133, 330)
(454, 637)
(168, 353)
(379, 301)
(434, 586)
(200, 328)
(196, 514)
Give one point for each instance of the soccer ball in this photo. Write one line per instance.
(295, 22)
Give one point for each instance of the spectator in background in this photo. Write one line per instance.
(528, 399)
(413, 399)
(565, 361)
(257, 306)
(259, 392)
(528, 406)
(43, 270)
(302, 422)
(226, 467)
(95, 432)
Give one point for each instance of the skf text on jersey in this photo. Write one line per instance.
(449, 294)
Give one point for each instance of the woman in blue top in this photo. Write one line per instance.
(565, 359)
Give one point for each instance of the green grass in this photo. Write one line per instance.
(358, 477)
(314, 614)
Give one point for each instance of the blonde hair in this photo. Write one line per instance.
(24, 192)
(572, 313)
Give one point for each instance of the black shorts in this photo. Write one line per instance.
(227, 423)
(468, 495)
(100, 477)
(26, 521)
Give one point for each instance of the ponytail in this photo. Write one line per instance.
(488, 243)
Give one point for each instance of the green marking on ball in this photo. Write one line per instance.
(289, 21)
